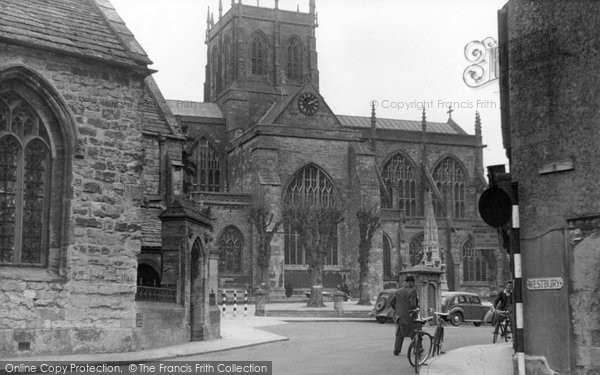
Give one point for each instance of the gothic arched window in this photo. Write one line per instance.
(475, 265)
(309, 187)
(230, 246)
(451, 182)
(259, 55)
(294, 59)
(415, 249)
(387, 257)
(227, 61)
(205, 172)
(25, 173)
(400, 184)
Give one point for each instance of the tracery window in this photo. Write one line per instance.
(25, 167)
(206, 169)
(387, 257)
(259, 55)
(227, 61)
(230, 246)
(294, 59)
(311, 187)
(216, 63)
(415, 249)
(475, 265)
(400, 184)
(450, 181)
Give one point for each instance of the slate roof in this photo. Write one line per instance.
(195, 109)
(158, 118)
(385, 123)
(87, 28)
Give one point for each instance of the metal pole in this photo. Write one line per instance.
(515, 250)
(224, 302)
(234, 302)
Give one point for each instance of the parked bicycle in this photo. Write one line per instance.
(438, 336)
(420, 345)
(502, 326)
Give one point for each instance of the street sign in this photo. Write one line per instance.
(486, 239)
(545, 283)
(495, 207)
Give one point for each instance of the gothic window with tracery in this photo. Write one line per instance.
(415, 249)
(230, 246)
(310, 187)
(294, 59)
(206, 168)
(25, 166)
(227, 61)
(400, 185)
(259, 55)
(450, 181)
(475, 265)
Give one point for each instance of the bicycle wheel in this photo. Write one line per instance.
(425, 344)
(495, 333)
(507, 331)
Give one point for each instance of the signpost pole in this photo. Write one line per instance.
(515, 252)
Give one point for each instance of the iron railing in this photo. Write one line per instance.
(153, 294)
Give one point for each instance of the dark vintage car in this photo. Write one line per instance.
(462, 306)
(466, 307)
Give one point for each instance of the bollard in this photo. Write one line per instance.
(224, 302)
(338, 302)
(245, 303)
(234, 302)
(260, 298)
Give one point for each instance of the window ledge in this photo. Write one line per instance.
(30, 274)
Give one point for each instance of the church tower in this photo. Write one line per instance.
(257, 56)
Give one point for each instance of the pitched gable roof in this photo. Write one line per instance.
(385, 123)
(158, 117)
(86, 28)
(277, 111)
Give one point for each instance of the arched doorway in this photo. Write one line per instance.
(197, 293)
(431, 298)
(147, 275)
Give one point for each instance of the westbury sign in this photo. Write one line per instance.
(545, 283)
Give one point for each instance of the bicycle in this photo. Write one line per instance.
(420, 344)
(502, 326)
(438, 336)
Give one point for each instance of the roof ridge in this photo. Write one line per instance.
(121, 31)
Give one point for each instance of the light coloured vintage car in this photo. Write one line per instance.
(466, 307)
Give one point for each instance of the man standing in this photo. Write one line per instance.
(403, 302)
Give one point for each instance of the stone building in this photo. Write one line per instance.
(90, 174)
(549, 60)
(265, 129)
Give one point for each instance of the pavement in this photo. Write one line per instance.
(243, 330)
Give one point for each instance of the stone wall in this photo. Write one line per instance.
(87, 306)
(553, 67)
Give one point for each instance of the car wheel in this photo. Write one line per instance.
(476, 324)
(381, 319)
(379, 305)
(456, 319)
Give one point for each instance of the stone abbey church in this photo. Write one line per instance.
(123, 213)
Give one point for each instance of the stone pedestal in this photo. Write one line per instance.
(428, 284)
(338, 302)
(260, 297)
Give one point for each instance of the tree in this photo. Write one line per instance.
(368, 223)
(261, 217)
(316, 229)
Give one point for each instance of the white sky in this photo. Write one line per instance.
(393, 51)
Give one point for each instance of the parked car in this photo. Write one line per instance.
(383, 310)
(466, 307)
(462, 307)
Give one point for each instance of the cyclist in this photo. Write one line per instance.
(504, 301)
(403, 302)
